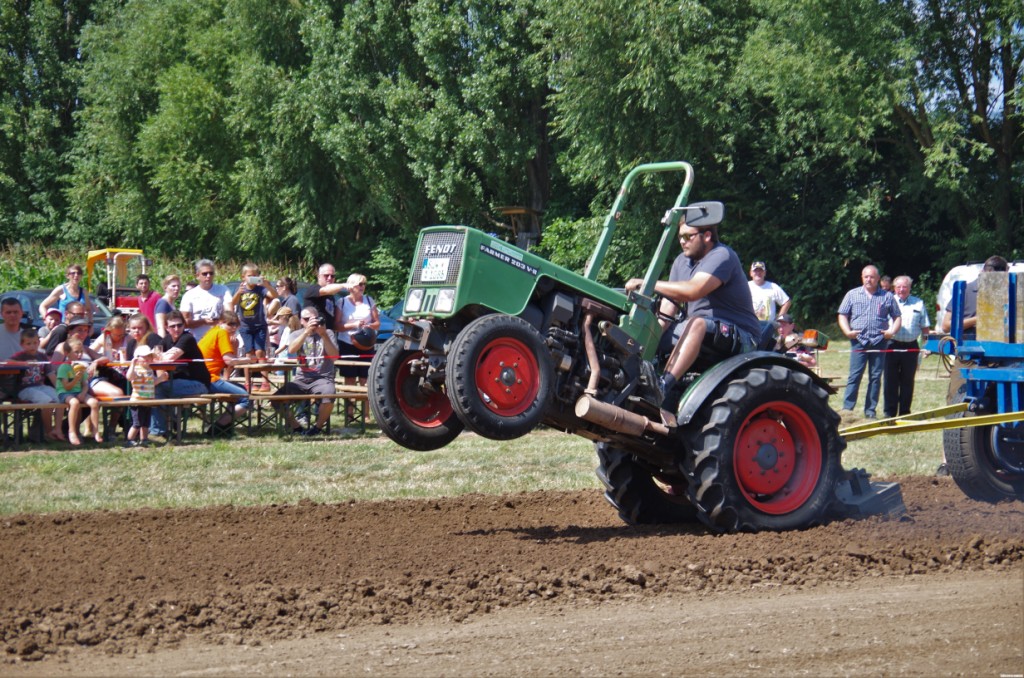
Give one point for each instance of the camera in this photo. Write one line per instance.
(255, 280)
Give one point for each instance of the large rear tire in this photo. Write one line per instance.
(414, 416)
(499, 376)
(768, 454)
(637, 494)
(973, 464)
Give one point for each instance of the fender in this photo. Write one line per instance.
(698, 392)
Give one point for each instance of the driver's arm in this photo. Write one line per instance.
(699, 286)
(674, 294)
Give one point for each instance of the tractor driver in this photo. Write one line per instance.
(708, 276)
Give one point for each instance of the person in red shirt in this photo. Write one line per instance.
(147, 298)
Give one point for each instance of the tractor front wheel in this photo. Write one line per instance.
(415, 415)
(500, 376)
(767, 455)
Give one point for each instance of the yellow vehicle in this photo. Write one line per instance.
(115, 272)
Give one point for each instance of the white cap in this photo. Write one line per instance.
(143, 351)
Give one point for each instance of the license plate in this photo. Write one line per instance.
(435, 270)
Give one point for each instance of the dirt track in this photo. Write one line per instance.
(538, 583)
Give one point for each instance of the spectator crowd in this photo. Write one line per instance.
(178, 349)
(201, 336)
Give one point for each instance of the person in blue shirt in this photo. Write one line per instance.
(709, 278)
(864, 318)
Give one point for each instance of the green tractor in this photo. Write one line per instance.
(497, 340)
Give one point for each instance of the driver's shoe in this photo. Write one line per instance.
(671, 393)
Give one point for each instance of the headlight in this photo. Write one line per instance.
(414, 302)
(445, 301)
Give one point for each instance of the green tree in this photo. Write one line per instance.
(878, 119)
(38, 99)
(961, 117)
(188, 129)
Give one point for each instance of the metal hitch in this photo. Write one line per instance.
(858, 497)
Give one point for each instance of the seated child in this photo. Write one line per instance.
(35, 384)
(72, 388)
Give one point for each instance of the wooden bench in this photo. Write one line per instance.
(13, 417)
(175, 415)
(265, 419)
(217, 404)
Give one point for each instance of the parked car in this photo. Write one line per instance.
(32, 297)
(387, 321)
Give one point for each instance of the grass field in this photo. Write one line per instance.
(272, 470)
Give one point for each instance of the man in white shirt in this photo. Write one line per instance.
(203, 305)
(770, 300)
(901, 363)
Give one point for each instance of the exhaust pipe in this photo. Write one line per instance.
(617, 419)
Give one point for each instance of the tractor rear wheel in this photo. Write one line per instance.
(639, 495)
(986, 462)
(414, 415)
(500, 376)
(768, 454)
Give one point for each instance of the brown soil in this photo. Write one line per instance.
(539, 583)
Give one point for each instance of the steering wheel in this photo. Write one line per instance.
(678, 316)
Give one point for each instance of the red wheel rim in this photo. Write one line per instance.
(507, 377)
(427, 409)
(777, 458)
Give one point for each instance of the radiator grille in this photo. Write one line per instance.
(434, 246)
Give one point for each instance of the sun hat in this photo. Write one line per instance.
(79, 322)
(143, 351)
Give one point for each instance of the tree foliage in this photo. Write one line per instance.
(38, 98)
(838, 132)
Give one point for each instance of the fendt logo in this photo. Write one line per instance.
(440, 250)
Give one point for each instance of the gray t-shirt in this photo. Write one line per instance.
(312, 363)
(10, 343)
(731, 301)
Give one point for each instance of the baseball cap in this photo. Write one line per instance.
(758, 264)
(51, 311)
(143, 351)
(785, 318)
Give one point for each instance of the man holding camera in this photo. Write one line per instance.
(316, 347)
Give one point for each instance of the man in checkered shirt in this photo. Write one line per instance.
(864, 319)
